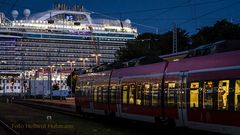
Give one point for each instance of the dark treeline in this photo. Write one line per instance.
(151, 45)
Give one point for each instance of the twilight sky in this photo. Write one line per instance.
(146, 15)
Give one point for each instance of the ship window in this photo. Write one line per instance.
(237, 96)
(223, 91)
(194, 92)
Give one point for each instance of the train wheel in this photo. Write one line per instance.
(171, 123)
(165, 122)
(78, 109)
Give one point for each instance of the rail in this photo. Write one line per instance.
(8, 128)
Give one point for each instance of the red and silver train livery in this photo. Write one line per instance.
(200, 92)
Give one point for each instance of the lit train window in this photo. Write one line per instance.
(99, 94)
(194, 94)
(113, 91)
(223, 91)
(171, 94)
(94, 94)
(139, 94)
(237, 96)
(105, 93)
(208, 95)
(132, 93)
(155, 88)
(146, 92)
(124, 94)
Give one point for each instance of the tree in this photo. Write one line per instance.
(221, 30)
(152, 45)
(55, 86)
(74, 80)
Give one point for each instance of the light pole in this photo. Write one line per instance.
(71, 63)
(43, 81)
(84, 61)
(50, 80)
(60, 78)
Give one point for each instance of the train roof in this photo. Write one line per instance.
(217, 60)
(205, 62)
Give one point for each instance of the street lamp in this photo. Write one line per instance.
(42, 70)
(60, 79)
(71, 63)
(97, 58)
(50, 79)
(84, 61)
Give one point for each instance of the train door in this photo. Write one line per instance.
(119, 97)
(182, 112)
(237, 96)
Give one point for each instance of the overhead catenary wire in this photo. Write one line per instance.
(164, 8)
(205, 14)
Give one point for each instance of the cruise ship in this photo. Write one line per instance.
(60, 37)
(63, 38)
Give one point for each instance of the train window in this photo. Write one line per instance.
(118, 94)
(223, 90)
(99, 94)
(208, 95)
(194, 92)
(124, 94)
(113, 93)
(171, 94)
(131, 93)
(139, 94)
(155, 88)
(237, 96)
(95, 94)
(105, 93)
(147, 95)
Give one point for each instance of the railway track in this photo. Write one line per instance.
(52, 108)
(5, 129)
(124, 123)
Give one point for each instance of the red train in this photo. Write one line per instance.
(200, 92)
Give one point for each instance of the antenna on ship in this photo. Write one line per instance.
(50, 21)
(14, 14)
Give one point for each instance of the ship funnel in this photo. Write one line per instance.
(14, 14)
(26, 13)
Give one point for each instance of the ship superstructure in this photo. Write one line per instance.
(40, 47)
(71, 38)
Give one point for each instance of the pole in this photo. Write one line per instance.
(71, 78)
(43, 83)
(175, 46)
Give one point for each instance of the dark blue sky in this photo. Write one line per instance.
(146, 15)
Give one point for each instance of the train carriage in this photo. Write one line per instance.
(200, 92)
